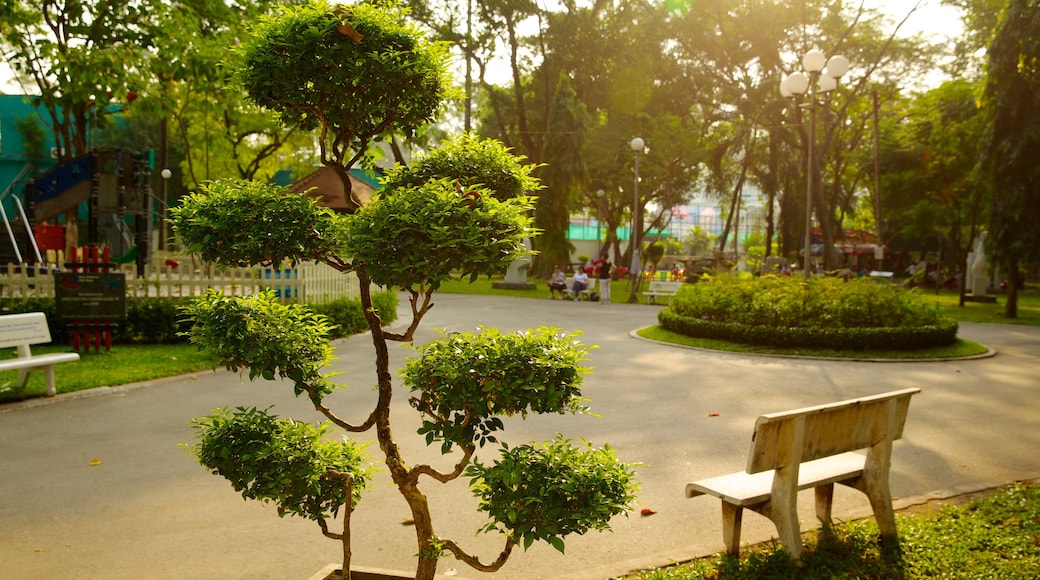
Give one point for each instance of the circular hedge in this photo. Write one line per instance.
(775, 311)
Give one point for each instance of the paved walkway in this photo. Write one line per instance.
(96, 486)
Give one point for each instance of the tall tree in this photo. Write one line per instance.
(737, 52)
(1012, 148)
(564, 178)
(81, 56)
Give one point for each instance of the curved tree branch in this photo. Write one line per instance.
(445, 477)
(418, 312)
(475, 563)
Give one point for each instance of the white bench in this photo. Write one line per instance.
(22, 330)
(661, 288)
(813, 447)
(583, 295)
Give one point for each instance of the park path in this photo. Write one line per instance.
(96, 486)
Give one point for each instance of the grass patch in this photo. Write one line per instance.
(997, 536)
(619, 289)
(124, 364)
(961, 348)
(993, 312)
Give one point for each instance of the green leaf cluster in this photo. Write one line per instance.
(470, 161)
(463, 382)
(547, 491)
(280, 460)
(422, 235)
(357, 70)
(240, 223)
(269, 338)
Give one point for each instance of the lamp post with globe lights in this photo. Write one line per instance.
(820, 75)
(638, 148)
(166, 174)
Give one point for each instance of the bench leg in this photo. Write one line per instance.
(732, 518)
(824, 500)
(48, 372)
(877, 491)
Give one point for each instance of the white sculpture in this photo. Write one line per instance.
(978, 268)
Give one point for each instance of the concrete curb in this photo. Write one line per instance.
(990, 352)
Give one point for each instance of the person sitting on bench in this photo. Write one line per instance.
(581, 283)
(557, 283)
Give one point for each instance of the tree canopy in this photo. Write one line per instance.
(1012, 146)
(353, 72)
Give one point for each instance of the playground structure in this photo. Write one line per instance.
(111, 186)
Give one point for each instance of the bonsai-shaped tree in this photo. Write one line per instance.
(354, 73)
(463, 211)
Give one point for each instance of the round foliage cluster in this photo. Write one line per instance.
(546, 491)
(469, 161)
(360, 70)
(819, 312)
(280, 460)
(240, 223)
(420, 236)
(464, 381)
(269, 338)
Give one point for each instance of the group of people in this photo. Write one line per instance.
(601, 267)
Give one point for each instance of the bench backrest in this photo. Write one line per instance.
(802, 435)
(24, 329)
(665, 285)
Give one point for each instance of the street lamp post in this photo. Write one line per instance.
(821, 74)
(166, 174)
(638, 147)
(599, 220)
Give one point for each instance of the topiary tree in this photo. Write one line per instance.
(353, 72)
(420, 231)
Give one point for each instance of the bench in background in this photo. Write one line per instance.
(813, 447)
(583, 295)
(21, 331)
(661, 288)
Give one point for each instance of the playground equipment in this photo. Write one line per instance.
(111, 185)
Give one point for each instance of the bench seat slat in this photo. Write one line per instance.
(748, 489)
(38, 360)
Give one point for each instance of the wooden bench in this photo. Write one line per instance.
(813, 447)
(21, 331)
(661, 288)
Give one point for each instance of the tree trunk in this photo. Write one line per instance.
(1011, 308)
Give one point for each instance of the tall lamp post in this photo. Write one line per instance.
(638, 147)
(600, 194)
(821, 74)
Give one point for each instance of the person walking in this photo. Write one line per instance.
(603, 272)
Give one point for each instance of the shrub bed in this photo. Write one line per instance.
(818, 313)
(161, 320)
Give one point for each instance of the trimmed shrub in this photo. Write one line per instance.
(347, 317)
(160, 320)
(148, 320)
(818, 313)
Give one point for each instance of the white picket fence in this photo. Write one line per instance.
(311, 283)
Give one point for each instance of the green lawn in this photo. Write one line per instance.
(996, 536)
(1028, 307)
(126, 363)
